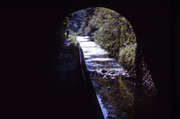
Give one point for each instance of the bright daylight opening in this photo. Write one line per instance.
(108, 45)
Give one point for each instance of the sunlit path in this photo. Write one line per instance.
(100, 64)
(97, 59)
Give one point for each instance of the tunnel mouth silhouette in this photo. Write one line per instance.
(109, 46)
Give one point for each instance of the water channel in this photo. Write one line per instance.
(105, 73)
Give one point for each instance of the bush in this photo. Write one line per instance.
(115, 34)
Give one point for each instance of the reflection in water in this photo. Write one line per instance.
(116, 96)
(104, 110)
(110, 80)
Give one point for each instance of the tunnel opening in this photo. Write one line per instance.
(119, 74)
(34, 75)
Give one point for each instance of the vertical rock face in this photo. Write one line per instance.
(145, 89)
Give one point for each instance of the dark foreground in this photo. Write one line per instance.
(29, 42)
(69, 95)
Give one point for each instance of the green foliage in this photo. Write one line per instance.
(110, 30)
(115, 34)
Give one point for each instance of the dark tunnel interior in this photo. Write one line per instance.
(30, 45)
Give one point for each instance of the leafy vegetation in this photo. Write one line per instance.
(108, 29)
(115, 34)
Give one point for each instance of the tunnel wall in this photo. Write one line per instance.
(29, 47)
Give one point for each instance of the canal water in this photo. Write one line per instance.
(104, 72)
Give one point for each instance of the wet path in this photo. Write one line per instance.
(69, 97)
(97, 59)
(104, 72)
